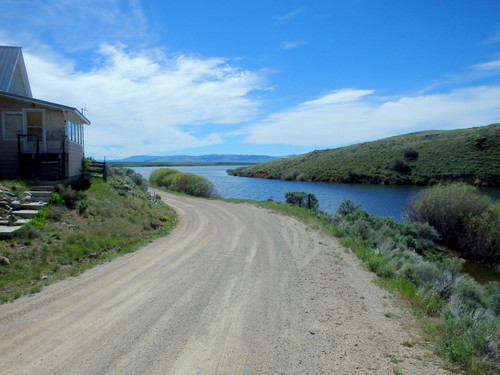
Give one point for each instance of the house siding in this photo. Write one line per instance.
(9, 164)
(54, 122)
(9, 105)
(75, 155)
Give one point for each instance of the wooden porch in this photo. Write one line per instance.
(35, 164)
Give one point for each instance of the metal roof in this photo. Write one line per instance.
(8, 60)
(74, 114)
(12, 63)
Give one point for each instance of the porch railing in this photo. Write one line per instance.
(23, 142)
(36, 164)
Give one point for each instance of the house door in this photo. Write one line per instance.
(34, 122)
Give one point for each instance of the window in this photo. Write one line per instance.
(12, 125)
(34, 123)
(75, 132)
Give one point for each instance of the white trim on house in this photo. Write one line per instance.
(72, 113)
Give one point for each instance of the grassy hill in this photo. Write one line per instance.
(80, 229)
(422, 158)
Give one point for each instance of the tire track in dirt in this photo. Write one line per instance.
(232, 290)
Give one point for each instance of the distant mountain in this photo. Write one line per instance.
(135, 159)
(422, 158)
(212, 158)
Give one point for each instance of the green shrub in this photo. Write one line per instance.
(471, 341)
(295, 197)
(419, 236)
(38, 221)
(56, 199)
(481, 237)
(347, 207)
(82, 206)
(163, 177)
(192, 184)
(69, 195)
(465, 219)
(128, 175)
(399, 166)
(410, 154)
(187, 183)
(302, 199)
(492, 296)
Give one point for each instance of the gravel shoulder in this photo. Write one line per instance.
(234, 289)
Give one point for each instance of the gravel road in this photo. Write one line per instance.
(233, 289)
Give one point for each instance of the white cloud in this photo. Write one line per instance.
(292, 14)
(140, 102)
(495, 38)
(75, 25)
(351, 116)
(488, 66)
(292, 45)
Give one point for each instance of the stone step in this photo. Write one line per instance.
(42, 187)
(8, 232)
(33, 205)
(17, 222)
(41, 192)
(40, 195)
(25, 213)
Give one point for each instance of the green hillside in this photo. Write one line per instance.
(422, 158)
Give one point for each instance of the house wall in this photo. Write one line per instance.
(75, 155)
(12, 105)
(9, 166)
(54, 122)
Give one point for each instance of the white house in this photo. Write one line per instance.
(38, 139)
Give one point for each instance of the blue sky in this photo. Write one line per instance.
(259, 76)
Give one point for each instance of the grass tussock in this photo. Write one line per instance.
(79, 229)
(461, 315)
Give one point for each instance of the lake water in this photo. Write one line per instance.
(380, 200)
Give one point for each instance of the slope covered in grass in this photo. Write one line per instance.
(79, 229)
(422, 158)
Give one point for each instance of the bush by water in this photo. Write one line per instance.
(186, 183)
(466, 220)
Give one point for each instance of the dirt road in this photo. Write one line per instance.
(232, 290)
